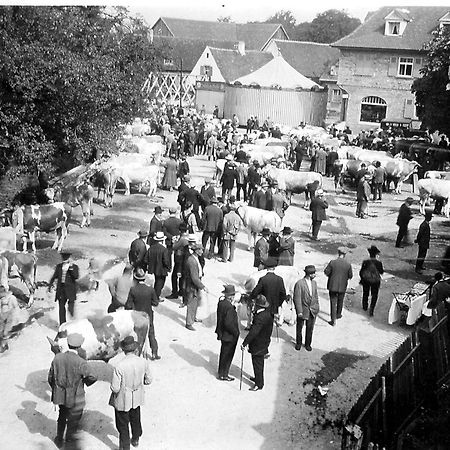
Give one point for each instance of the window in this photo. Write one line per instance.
(394, 28)
(405, 67)
(373, 109)
(335, 95)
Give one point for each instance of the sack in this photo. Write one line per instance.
(370, 274)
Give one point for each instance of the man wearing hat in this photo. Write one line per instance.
(362, 196)
(261, 251)
(259, 196)
(67, 376)
(138, 249)
(423, 239)
(171, 228)
(231, 226)
(212, 219)
(66, 275)
(338, 271)
(286, 248)
(156, 224)
(180, 249)
(228, 178)
(258, 339)
(183, 168)
(317, 207)
(271, 286)
(306, 301)
(207, 192)
(193, 284)
(253, 179)
(271, 190)
(157, 262)
(403, 218)
(141, 298)
(227, 331)
(130, 375)
(370, 275)
(279, 203)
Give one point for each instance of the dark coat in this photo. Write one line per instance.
(363, 190)
(155, 226)
(228, 177)
(439, 292)
(183, 169)
(338, 271)
(141, 298)
(261, 252)
(190, 195)
(272, 287)
(66, 289)
(304, 301)
(207, 194)
(286, 251)
(213, 218)
(258, 338)
(423, 236)
(137, 253)
(157, 260)
(259, 200)
(193, 282)
(227, 328)
(404, 215)
(318, 207)
(171, 228)
(67, 376)
(269, 195)
(367, 262)
(253, 177)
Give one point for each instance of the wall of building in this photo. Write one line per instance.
(206, 59)
(160, 29)
(210, 95)
(364, 73)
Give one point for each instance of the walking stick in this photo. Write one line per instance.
(242, 366)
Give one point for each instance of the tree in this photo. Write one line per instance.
(433, 88)
(331, 25)
(68, 77)
(285, 18)
(225, 19)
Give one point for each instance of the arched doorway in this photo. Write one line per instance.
(373, 109)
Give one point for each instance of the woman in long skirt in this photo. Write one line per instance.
(170, 175)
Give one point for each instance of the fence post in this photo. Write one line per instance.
(428, 365)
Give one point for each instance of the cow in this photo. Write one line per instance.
(141, 176)
(105, 180)
(147, 146)
(81, 194)
(398, 170)
(12, 316)
(103, 333)
(255, 219)
(293, 182)
(371, 155)
(349, 168)
(290, 276)
(436, 189)
(25, 264)
(54, 217)
(437, 174)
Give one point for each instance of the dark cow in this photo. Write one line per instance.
(25, 264)
(54, 217)
(103, 333)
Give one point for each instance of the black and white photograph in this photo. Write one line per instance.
(225, 225)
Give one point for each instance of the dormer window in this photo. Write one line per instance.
(396, 22)
(394, 28)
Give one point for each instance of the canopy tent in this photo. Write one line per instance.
(277, 73)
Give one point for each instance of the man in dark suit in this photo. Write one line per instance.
(213, 218)
(157, 262)
(258, 339)
(306, 301)
(259, 196)
(253, 180)
(404, 216)
(423, 239)
(193, 284)
(269, 194)
(271, 286)
(227, 331)
(141, 298)
(138, 250)
(338, 271)
(261, 251)
(156, 224)
(67, 376)
(317, 207)
(207, 191)
(66, 275)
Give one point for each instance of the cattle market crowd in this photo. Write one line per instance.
(259, 166)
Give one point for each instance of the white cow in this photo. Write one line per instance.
(141, 176)
(255, 219)
(398, 170)
(371, 155)
(146, 146)
(436, 189)
(437, 174)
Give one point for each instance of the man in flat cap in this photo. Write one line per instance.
(227, 331)
(306, 301)
(67, 376)
(66, 275)
(338, 271)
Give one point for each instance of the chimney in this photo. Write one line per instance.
(241, 48)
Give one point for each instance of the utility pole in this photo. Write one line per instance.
(181, 82)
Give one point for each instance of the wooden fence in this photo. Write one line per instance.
(410, 378)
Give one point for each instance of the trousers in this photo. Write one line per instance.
(227, 350)
(62, 308)
(210, 236)
(229, 246)
(258, 370)
(310, 321)
(316, 224)
(421, 255)
(373, 289)
(160, 280)
(192, 300)
(402, 234)
(336, 305)
(123, 421)
(70, 418)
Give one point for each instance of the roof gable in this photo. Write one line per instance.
(256, 35)
(445, 18)
(233, 65)
(370, 34)
(398, 14)
(309, 58)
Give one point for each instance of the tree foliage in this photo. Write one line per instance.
(433, 89)
(285, 18)
(225, 19)
(68, 77)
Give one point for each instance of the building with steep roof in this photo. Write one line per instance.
(380, 60)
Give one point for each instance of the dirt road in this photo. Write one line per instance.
(186, 405)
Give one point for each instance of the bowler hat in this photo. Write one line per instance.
(287, 230)
(142, 233)
(75, 340)
(66, 255)
(310, 269)
(342, 250)
(158, 210)
(261, 301)
(139, 274)
(265, 232)
(229, 289)
(129, 344)
(373, 250)
(409, 200)
(159, 236)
